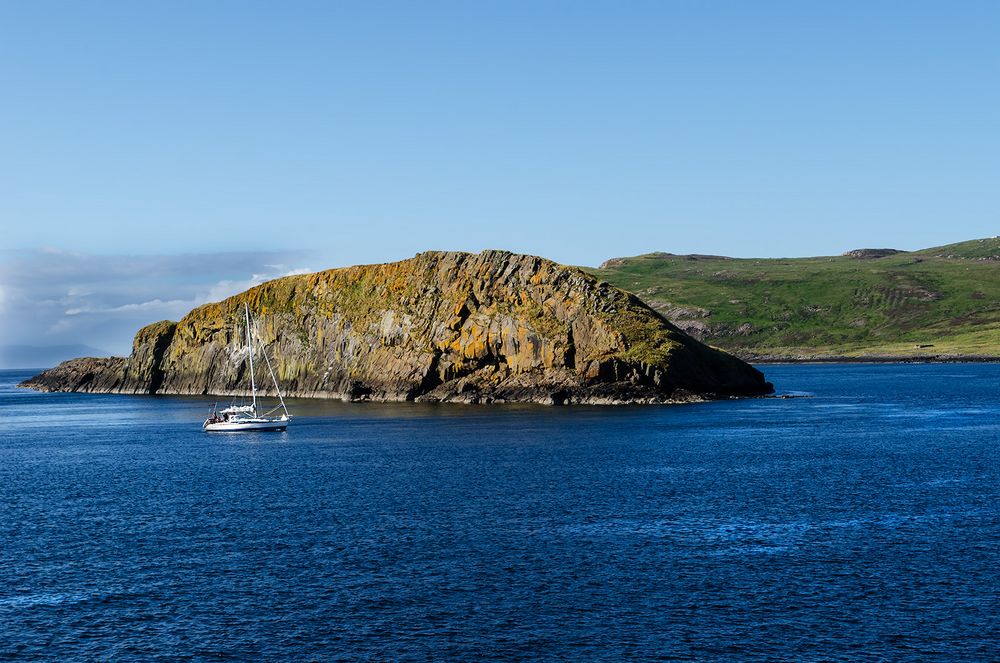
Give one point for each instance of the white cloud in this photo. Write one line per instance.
(51, 296)
(152, 305)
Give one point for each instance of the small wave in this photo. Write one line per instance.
(53, 599)
(34, 600)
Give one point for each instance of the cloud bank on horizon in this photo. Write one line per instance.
(51, 298)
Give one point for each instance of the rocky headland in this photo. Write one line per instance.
(442, 326)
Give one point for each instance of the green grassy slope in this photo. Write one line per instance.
(946, 298)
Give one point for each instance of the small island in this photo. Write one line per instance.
(440, 327)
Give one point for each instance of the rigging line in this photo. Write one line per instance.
(263, 351)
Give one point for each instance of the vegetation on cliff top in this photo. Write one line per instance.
(938, 301)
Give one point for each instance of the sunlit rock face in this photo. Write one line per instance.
(442, 326)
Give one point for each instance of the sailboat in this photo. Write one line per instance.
(238, 418)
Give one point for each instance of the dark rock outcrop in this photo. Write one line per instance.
(91, 374)
(442, 326)
(871, 254)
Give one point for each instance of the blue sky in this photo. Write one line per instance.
(340, 133)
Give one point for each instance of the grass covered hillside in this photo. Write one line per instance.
(869, 302)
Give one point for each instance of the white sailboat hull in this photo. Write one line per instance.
(247, 425)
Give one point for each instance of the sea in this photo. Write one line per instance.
(856, 519)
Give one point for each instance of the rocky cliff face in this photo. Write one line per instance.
(485, 327)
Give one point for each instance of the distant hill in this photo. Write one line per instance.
(868, 302)
(43, 356)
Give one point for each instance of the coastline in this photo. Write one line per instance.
(869, 359)
(616, 396)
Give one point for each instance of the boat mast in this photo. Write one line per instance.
(253, 384)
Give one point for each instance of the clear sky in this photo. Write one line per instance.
(337, 133)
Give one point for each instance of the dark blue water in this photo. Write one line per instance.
(861, 523)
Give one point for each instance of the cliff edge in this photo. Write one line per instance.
(442, 326)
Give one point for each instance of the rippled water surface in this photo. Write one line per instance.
(860, 523)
